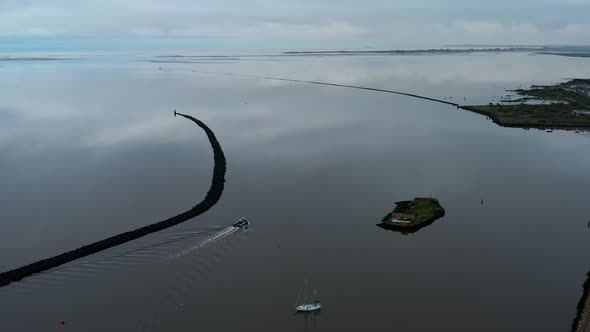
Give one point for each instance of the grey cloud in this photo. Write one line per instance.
(375, 22)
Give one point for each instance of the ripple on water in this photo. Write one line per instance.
(149, 251)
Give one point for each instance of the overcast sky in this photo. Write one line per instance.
(289, 24)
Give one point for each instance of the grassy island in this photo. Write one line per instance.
(414, 214)
(562, 106)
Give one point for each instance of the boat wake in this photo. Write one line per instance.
(213, 238)
(152, 251)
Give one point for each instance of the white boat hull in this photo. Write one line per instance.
(309, 307)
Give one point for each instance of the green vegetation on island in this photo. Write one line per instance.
(565, 105)
(417, 213)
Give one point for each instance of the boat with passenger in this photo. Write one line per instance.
(242, 222)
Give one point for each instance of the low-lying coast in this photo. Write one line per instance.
(497, 119)
(561, 106)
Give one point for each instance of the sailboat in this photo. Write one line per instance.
(307, 306)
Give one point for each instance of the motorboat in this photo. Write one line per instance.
(243, 222)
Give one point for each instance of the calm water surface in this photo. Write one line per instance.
(89, 148)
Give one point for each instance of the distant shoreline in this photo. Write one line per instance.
(34, 59)
(570, 51)
(412, 51)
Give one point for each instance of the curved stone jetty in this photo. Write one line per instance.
(332, 84)
(213, 195)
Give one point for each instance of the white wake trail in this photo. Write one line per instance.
(215, 237)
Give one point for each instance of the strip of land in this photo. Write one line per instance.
(564, 50)
(33, 59)
(431, 51)
(213, 195)
(568, 54)
(582, 319)
(571, 51)
(561, 106)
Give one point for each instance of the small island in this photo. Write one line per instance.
(413, 215)
(562, 106)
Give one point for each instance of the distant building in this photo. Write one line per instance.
(402, 217)
(581, 112)
(581, 89)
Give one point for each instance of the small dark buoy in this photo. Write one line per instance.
(482, 202)
(62, 322)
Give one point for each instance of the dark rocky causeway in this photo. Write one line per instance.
(333, 85)
(212, 197)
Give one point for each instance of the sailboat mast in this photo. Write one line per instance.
(305, 291)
